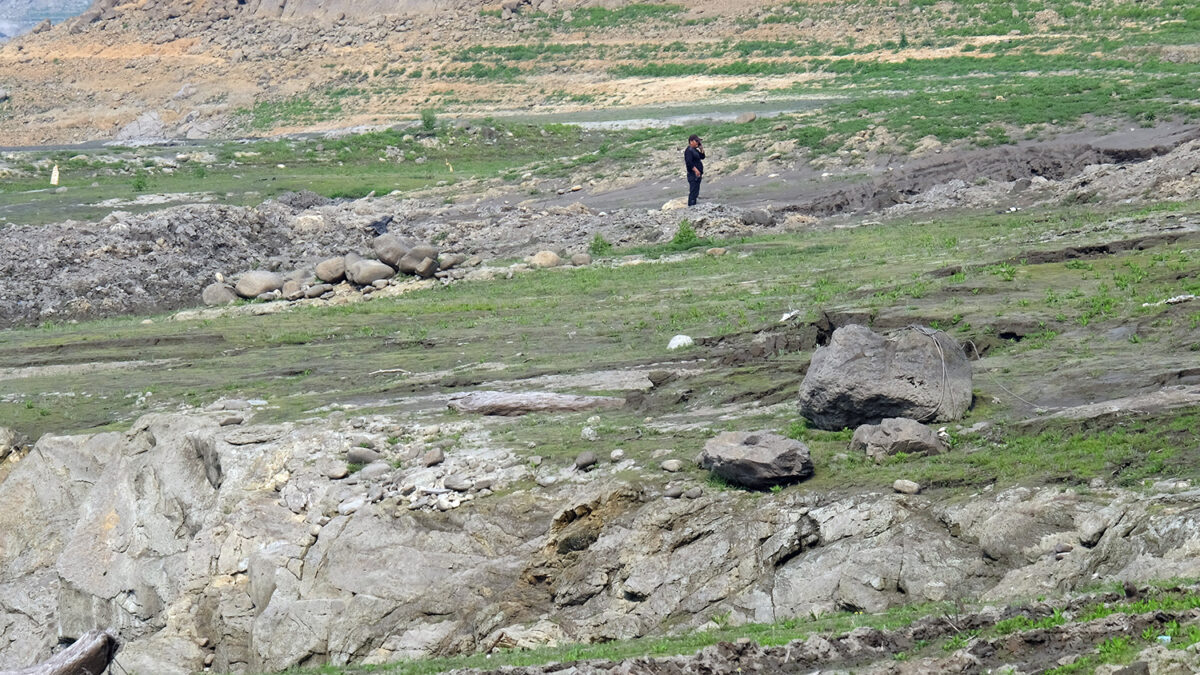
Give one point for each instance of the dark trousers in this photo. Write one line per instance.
(693, 188)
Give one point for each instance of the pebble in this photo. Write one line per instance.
(546, 481)
(693, 493)
(536, 460)
(616, 455)
(337, 471)
(1063, 548)
(433, 457)
(589, 434)
(672, 465)
(231, 420)
(673, 492)
(907, 487)
(457, 483)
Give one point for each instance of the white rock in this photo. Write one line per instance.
(680, 341)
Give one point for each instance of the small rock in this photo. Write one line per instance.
(589, 434)
(907, 487)
(672, 465)
(457, 483)
(433, 457)
(581, 259)
(660, 377)
(585, 460)
(680, 342)
(616, 455)
(1063, 548)
(715, 251)
(337, 471)
(546, 481)
(317, 290)
(745, 118)
(536, 460)
(693, 493)
(673, 492)
(230, 420)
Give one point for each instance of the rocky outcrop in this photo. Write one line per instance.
(199, 543)
(861, 377)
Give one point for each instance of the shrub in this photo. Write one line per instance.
(600, 245)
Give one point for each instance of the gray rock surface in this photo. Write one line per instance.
(506, 403)
(757, 460)
(896, 435)
(861, 377)
(170, 533)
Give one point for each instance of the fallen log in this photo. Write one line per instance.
(89, 655)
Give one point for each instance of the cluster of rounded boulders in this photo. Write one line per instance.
(392, 255)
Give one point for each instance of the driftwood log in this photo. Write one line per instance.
(89, 655)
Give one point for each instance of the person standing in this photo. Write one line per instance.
(693, 161)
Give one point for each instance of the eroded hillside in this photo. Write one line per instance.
(193, 69)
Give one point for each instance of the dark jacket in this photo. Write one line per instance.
(693, 158)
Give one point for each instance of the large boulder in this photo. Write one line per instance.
(893, 436)
(218, 293)
(366, 272)
(390, 249)
(255, 283)
(545, 259)
(332, 270)
(757, 459)
(415, 259)
(861, 377)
